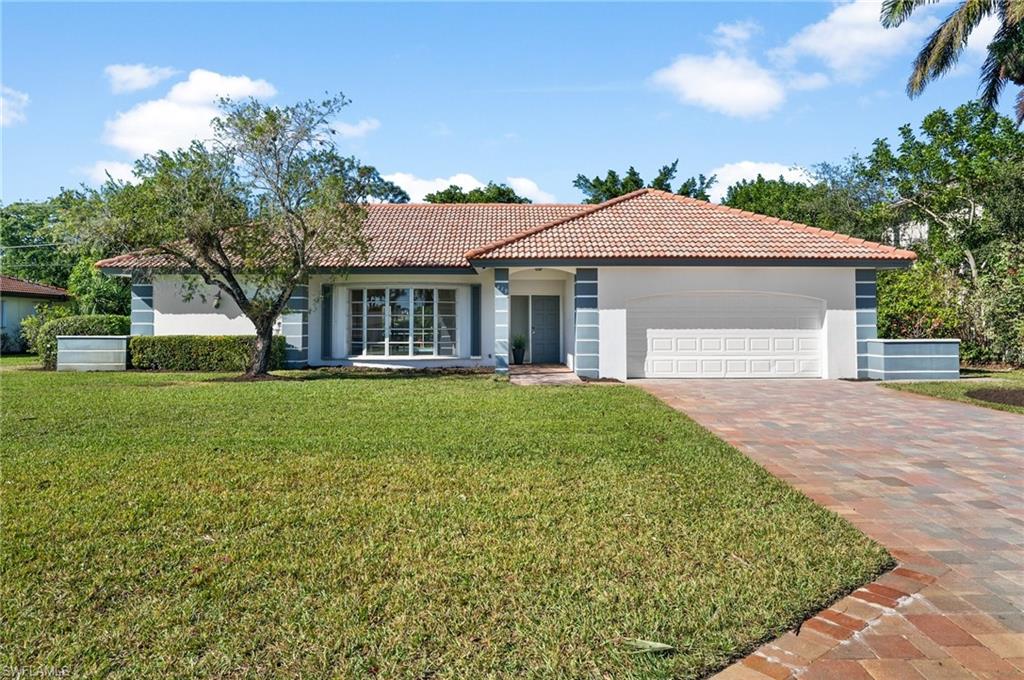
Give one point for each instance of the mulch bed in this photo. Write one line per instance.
(1012, 396)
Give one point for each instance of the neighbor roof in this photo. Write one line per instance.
(643, 225)
(655, 225)
(16, 287)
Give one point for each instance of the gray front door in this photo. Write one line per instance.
(544, 330)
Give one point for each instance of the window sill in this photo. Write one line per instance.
(418, 357)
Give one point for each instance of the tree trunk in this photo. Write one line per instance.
(259, 363)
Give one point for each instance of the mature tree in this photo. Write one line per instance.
(250, 213)
(599, 190)
(942, 50)
(492, 193)
(946, 175)
(29, 248)
(96, 293)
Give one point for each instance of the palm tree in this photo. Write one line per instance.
(1005, 62)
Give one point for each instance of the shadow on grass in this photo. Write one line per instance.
(355, 373)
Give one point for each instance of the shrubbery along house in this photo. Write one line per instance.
(649, 284)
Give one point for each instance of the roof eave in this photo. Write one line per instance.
(860, 263)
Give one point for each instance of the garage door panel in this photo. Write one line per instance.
(753, 335)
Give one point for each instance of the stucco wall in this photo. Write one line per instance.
(172, 315)
(14, 309)
(834, 285)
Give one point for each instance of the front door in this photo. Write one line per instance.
(544, 330)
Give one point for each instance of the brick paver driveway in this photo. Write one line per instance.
(940, 484)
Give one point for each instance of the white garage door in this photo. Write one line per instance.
(725, 335)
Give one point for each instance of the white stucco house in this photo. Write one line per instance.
(649, 284)
(18, 299)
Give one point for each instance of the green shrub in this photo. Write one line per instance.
(94, 324)
(30, 325)
(199, 352)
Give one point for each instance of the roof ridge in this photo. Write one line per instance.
(493, 245)
(834, 235)
(482, 205)
(34, 283)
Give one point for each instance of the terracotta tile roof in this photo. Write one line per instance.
(652, 224)
(417, 234)
(646, 224)
(10, 285)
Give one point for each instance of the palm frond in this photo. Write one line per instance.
(1012, 11)
(993, 71)
(1020, 107)
(943, 48)
(895, 12)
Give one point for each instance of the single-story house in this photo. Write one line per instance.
(648, 284)
(18, 299)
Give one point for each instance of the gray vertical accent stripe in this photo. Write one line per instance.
(295, 328)
(326, 321)
(501, 326)
(585, 315)
(142, 308)
(867, 316)
(475, 320)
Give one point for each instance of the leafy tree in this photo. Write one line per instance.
(492, 193)
(946, 175)
(96, 293)
(599, 190)
(27, 241)
(250, 213)
(942, 50)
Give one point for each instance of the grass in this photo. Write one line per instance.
(179, 525)
(971, 380)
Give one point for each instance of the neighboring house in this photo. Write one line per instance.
(18, 299)
(649, 284)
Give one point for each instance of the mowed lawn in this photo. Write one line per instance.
(184, 525)
(978, 387)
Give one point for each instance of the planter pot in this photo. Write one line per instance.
(517, 355)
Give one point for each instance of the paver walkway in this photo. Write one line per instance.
(940, 484)
(542, 374)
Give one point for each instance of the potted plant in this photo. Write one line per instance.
(518, 349)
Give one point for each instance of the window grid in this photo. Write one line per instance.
(426, 323)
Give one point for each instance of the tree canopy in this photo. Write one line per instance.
(492, 193)
(600, 189)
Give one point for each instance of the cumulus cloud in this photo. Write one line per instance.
(132, 77)
(735, 35)
(419, 187)
(735, 86)
(807, 81)
(851, 40)
(524, 186)
(12, 106)
(731, 173)
(355, 130)
(180, 116)
(97, 172)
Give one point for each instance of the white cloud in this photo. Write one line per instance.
(360, 129)
(418, 187)
(97, 172)
(524, 186)
(182, 115)
(982, 35)
(731, 173)
(807, 81)
(851, 40)
(132, 77)
(735, 35)
(735, 86)
(12, 106)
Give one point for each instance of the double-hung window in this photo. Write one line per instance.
(402, 322)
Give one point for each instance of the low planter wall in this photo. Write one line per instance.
(913, 359)
(92, 352)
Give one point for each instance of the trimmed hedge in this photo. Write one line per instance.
(84, 324)
(199, 352)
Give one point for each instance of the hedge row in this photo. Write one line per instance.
(85, 324)
(199, 352)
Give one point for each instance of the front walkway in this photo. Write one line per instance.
(939, 483)
(542, 374)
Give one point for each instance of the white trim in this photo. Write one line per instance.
(896, 370)
(912, 356)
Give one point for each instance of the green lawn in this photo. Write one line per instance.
(971, 381)
(183, 525)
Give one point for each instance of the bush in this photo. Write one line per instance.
(1002, 294)
(8, 346)
(199, 352)
(920, 302)
(30, 325)
(97, 324)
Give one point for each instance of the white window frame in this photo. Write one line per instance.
(410, 288)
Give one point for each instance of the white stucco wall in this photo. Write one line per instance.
(14, 309)
(617, 286)
(172, 315)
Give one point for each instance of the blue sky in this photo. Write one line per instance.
(525, 94)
